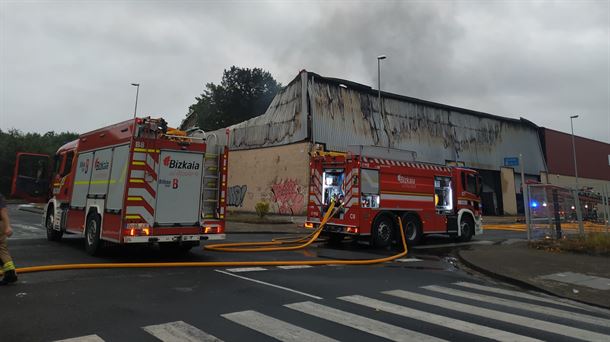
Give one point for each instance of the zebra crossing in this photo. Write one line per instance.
(460, 310)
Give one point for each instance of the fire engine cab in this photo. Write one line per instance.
(133, 182)
(374, 186)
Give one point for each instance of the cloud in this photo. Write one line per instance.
(67, 65)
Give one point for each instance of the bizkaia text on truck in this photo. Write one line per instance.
(376, 186)
(133, 182)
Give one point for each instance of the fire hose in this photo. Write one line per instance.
(240, 247)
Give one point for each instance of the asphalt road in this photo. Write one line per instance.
(423, 297)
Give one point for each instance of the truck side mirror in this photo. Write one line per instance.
(31, 177)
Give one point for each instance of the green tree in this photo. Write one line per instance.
(14, 141)
(242, 94)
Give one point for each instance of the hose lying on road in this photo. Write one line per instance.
(263, 246)
(311, 238)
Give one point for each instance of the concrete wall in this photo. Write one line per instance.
(278, 175)
(508, 191)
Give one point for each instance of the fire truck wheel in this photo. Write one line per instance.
(52, 234)
(382, 231)
(412, 228)
(467, 227)
(92, 234)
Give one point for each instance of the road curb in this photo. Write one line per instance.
(521, 283)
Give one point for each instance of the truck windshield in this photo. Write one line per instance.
(469, 183)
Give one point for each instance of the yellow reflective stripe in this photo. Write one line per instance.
(133, 217)
(135, 199)
(136, 180)
(150, 150)
(140, 163)
(8, 266)
(112, 181)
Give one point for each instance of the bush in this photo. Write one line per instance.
(262, 209)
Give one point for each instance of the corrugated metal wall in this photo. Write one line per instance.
(592, 157)
(346, 114)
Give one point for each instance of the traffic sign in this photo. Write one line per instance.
(511, 161)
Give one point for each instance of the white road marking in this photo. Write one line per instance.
(179, 331)
(371, 326)
(446, 322)
(512, 293)
(88, 338)
(482, 242)
(269, 284)
(520, 305)
(528, 322)
(27, 227)
(275, 328)
(246, 269)
(292, 267)
(408, 260)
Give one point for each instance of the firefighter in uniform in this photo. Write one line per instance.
(8, 268)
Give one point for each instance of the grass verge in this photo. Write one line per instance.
(591, 243)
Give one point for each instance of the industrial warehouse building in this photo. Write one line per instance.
(270, 153)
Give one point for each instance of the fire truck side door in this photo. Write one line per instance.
(369, 188)
(31, 177)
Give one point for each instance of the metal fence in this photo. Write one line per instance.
(555, 212)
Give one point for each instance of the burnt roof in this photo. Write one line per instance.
(369, 90)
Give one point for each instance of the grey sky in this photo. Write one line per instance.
(67, 65)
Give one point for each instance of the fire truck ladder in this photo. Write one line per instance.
(211, 181)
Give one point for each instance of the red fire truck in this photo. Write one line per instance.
(132, 182)
(377, 185)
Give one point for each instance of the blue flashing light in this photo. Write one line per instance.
(534, 204)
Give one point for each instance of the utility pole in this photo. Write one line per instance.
(135, 110)
(379, 58)
(581, 228)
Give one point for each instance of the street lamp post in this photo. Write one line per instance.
(135, 110)
(576, 199)
(379, 58)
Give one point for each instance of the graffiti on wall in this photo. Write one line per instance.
(288, 197)
(236, 195)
